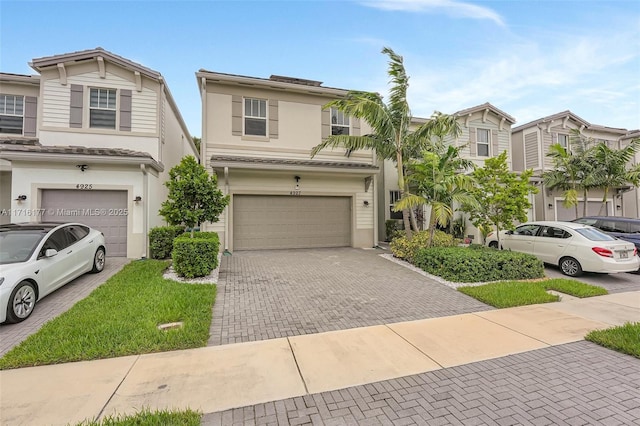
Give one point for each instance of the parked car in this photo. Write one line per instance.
(38, 258)
(574, 247)
(625, 228)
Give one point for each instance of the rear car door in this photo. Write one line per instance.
(551, 243)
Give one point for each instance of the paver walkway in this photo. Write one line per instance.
(278, 293)
(56, 303)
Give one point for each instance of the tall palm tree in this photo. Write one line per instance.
(564, 175)
(391, 137)
(440, 182)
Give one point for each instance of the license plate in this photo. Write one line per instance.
(624, 255)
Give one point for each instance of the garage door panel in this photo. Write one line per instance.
(267, 222)
(93, 209)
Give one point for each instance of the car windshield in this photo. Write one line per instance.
(17, 246)
(594, 235)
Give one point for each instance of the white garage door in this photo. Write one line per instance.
(277, 222)
(593, 209)
(102, 210)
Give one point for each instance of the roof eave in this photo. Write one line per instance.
(36, 156)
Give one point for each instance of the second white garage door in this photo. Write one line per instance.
(278, 222)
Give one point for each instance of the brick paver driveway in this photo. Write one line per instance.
(276, 293)
(56, 303)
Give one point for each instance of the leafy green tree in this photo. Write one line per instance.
(193, 197)
(391, 137)
(197, 142)
(439, 182)
(501, 195)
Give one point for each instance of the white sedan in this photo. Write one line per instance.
(574, 247)
(38, 258)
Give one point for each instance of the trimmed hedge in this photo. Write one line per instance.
(461, 264)
(161, 240)
(406, 249)
(197, 256)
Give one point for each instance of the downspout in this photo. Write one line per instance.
(145, 208)
(375, 210)
(226, 217)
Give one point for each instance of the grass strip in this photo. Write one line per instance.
(121, 318)
(624, 338)
(507, 294)
(149, 418)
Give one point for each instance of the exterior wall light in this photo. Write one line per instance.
(82, 167)
(297, 178)
(21, 198)
(137, 199)
(550, 206)
(366, 203)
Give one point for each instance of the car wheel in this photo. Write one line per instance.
(21, 302)
(98, 261)
(570, 267)
(493, 244)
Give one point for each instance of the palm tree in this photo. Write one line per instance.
(612, 169)
(440, 182)
(564, 175)
(391, 137)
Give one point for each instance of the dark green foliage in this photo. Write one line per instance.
(390, 227)
(161, 240)
(197, 256)
(459, 264)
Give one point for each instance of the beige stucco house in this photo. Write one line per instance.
(531, 142)
(257, 137)
(485, 133)
(91, 138)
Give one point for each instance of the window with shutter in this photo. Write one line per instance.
(11, 114)
(255, 117)
(339, 122)
(102, 108)
(482, 142)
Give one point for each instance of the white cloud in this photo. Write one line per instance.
(451, 7)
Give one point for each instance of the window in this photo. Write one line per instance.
(563, 140)
(11, 114)
(553, 232)
(483, 142)
(527, 230)
(57, 241)
(339, 122)
(393, 197)
(255, 117)
(102, 108)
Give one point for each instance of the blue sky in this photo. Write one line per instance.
(528, 58)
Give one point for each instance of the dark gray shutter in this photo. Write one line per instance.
(495, 147)
(473, 138)
(273, 118)
(75, 113)
(125, 110)
(30, 115)
(236, 115)
(355, 126)
(326, 123)
(554, 138)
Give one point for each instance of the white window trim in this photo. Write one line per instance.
(4, 112)
(567, 146)
(344, 117)
(265, 118)
(116, 109)
(488, 143)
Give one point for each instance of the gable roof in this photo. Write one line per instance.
(6, 77)
(82, 55)
(483, 107)
(553, 117)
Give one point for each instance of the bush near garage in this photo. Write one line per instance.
(197, 256)
(406, 249)
(161, 240)
(461, 264)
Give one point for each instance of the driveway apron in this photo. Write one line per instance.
(278, 293)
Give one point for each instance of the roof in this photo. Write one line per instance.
(553, 117)
(19, 78)
(31, 149)
(286, 163)
(83, 55)
(484, 107)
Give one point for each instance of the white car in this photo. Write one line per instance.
(38, 258)
(574, 247)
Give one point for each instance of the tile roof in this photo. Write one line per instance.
(482, 108)
(291, 162)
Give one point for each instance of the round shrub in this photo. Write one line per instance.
(161, 240)
(197, 256)
(406, 249)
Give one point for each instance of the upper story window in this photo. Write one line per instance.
(11, 114)
(563, 140)
(255, 117)
(102, 108)
(482, 142)
(339, 122)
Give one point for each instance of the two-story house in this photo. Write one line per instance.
(91, 139)
(485, 133)
(531, 142)
(257, 137)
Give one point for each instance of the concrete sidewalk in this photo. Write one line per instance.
(213, 379)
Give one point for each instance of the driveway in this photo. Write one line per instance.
(614, 283)
(277, 293)
(56, 303)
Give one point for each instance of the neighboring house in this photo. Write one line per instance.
(531, 142)
(90, 139)
(486, 132)
(257, 136)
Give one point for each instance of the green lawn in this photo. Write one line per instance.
(625, 338)
(120, 318)
(148, 418)
(507, 294)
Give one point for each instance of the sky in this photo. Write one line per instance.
(528, 58)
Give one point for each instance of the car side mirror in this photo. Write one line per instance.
(50, 252)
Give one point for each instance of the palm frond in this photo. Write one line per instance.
(348, 142)
(409, 201)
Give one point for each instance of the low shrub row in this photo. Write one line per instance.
(406, 249)
(461, 264)
(161, 240)
(197, 256)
